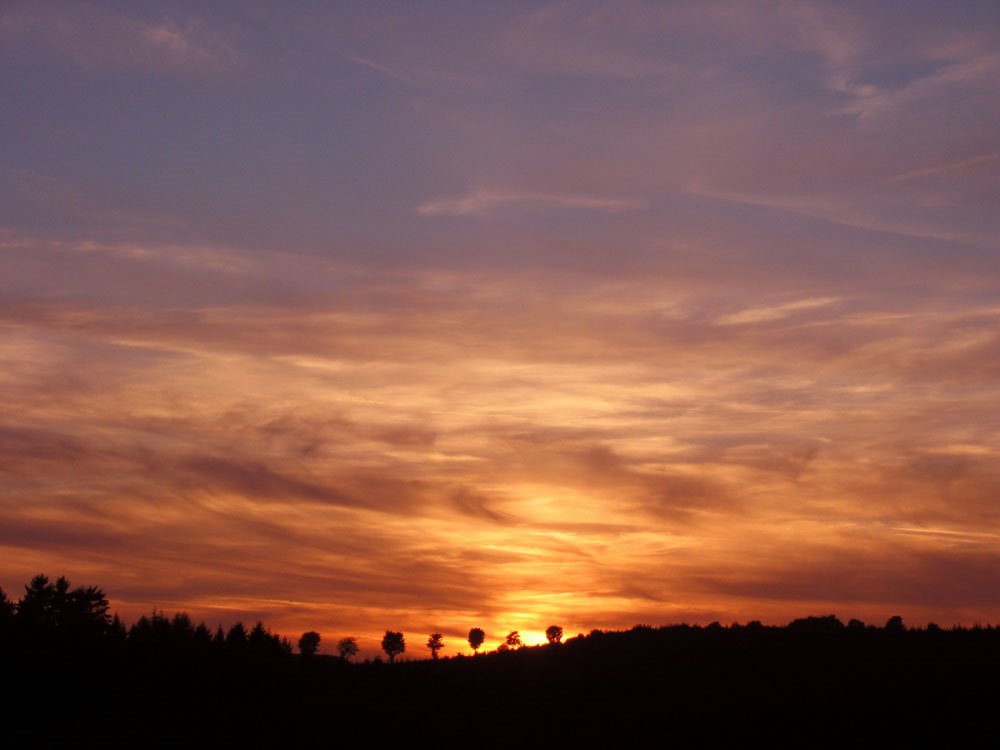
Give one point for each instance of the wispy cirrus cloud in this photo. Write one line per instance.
(775, 312)
(877, 213)
(943, 169)
(381, 68)
(185, 44)
(972, 71)
(481, 202)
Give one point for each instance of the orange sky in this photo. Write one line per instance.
(494, 455)
(632, 349)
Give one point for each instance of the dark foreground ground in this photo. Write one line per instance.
(813, 683)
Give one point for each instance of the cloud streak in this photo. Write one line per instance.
(489, 201)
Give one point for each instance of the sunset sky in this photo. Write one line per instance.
(427, 316)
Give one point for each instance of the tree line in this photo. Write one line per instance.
(61, 646)
(394, 642)
(54, 613)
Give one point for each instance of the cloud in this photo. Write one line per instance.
(427, 444)
(249, 369)
(103, 40)
(381, 68)
(855, 212)
(898, 576)
(974, 70)
(488, 201)
(775, 312)
(650, 41)
(958, 166)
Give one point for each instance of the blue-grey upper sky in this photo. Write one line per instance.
(366, 130)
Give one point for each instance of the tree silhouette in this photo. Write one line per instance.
(81, 613)
(476, 638)
(237, 636)
(201, 633)
(77, 615)
(513, 640)
(6, 614)
(348, 648)
(895, 625)
(37, 609)
(182, 627)
(309, 643)
(393, 644)
(435, 643)
(117, 633)
(151, 632)
(263, 642)
(554, 634)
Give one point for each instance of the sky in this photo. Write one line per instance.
(365, 316)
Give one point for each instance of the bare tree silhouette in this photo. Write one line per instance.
(513, 640)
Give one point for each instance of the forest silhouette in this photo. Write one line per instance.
(68, 660)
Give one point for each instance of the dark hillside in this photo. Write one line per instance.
(68, 667)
